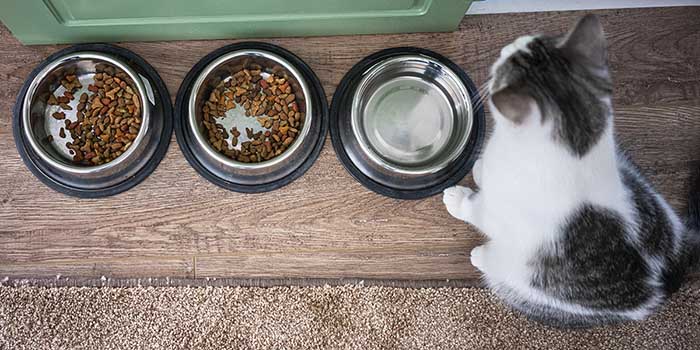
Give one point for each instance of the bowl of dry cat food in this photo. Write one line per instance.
(251, 117)
(92, 120)
(407, 122)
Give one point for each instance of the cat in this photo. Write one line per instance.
(576, 236)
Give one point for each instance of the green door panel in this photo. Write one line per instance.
(68, 21)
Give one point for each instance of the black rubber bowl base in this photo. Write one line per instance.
(453, 175)
(43, 172)
(184, 139)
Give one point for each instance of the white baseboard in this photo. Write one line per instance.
(505, 6)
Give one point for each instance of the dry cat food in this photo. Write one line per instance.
(108, 117)
(268, 98)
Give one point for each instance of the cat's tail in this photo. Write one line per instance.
(690, 254)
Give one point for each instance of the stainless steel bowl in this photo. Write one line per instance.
(229, 173)
(36, 115)
(51, 160)
(404, 121)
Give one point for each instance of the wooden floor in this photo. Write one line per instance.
(326, 225)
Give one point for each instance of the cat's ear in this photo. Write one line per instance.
(587, 41)
(512, 104)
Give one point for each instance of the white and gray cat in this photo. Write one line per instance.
(576, 236)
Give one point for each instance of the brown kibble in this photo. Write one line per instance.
(62, 133)
(103, 133)
(111, 93)
(96, 103)
(271, 101)
(58, 115)
(52, 100)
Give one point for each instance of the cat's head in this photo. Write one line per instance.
(561, 82)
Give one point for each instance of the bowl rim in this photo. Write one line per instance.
(211, 67)
(453, 174)
(321, 107)
(57, 63)
(53, 180)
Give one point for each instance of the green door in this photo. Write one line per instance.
(69, 21)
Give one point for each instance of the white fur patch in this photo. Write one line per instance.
(519, 44)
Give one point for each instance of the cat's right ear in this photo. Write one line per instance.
(512, 104)
(587, 41)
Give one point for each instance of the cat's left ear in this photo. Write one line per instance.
(587, 41)
(512, 104)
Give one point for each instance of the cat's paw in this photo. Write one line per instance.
(477, 171)
(477, 257)
(456, 199)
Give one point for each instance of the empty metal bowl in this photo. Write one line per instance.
(403, 123)
(232, 174)
(50, 160)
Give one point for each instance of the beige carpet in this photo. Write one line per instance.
(346, 317)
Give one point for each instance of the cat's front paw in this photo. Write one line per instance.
(477, 257)
(456, 201)
(477, 171)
